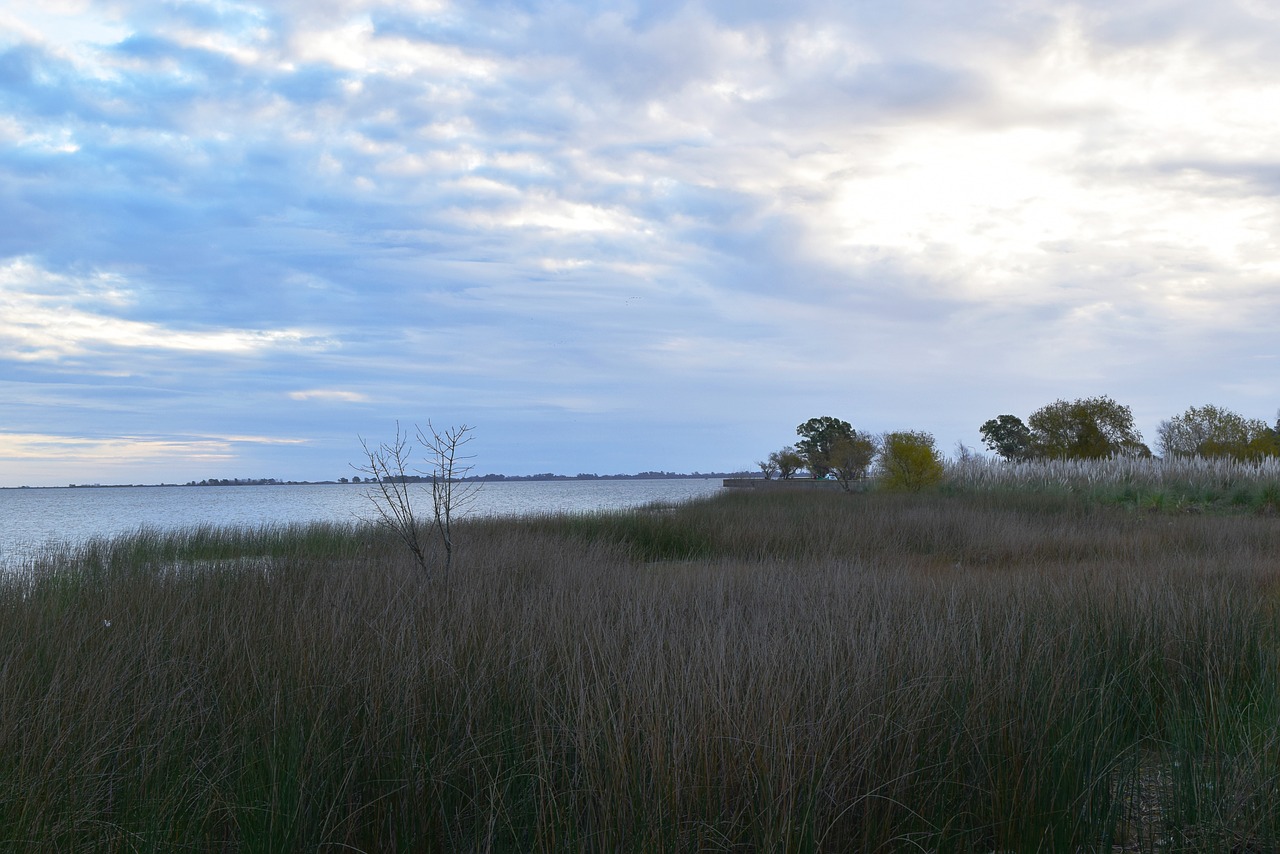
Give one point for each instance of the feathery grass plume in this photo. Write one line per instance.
(1173, 483)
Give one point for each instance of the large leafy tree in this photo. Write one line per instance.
(1212, 431)
(1085, 428)
(1008, 436)
(817, 437)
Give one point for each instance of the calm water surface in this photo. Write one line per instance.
(33, 518)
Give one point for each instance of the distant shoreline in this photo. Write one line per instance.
(485, 478)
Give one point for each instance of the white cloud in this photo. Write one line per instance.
(600, 210)
(326, 394)
(46, 316)
(72, 27)
(562, 215)
(50, 140)
(355, 45)
(255, 440)
(111, 452)
(59, 458)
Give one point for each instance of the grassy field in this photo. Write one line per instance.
(988, 670)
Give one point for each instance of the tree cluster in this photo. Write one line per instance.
(1098, 427)
(1211, 431)
(831, 448)
(1085, 428)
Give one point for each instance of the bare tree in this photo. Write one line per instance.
(388, 466)
(450, 492)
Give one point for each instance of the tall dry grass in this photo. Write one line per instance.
(798, 672)
(1175, 483)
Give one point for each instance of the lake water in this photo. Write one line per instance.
(32, 518)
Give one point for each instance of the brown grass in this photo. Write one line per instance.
(798, 672)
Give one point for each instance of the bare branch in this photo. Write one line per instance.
(450, 493)
(388, 465)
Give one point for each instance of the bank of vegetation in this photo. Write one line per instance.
(1209, 456)
(955, 669)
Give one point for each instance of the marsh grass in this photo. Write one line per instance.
(798, 672)
(1184, 484)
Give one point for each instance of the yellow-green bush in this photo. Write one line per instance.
(910, 461)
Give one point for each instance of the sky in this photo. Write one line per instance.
(238, 237)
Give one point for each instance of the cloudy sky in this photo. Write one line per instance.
(619, 236)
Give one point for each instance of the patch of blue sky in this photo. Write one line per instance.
(595, 211)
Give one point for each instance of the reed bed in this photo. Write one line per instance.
(1175, 483)
(758, 672)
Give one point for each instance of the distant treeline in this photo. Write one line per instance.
(484, 478)
(1092, 428)
(238, 481)
(548, 476)
(213, 481)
